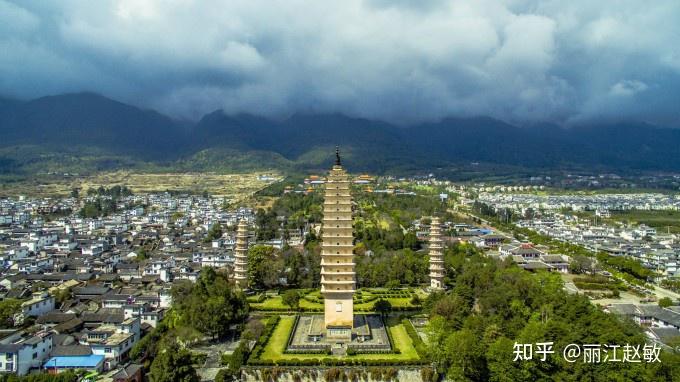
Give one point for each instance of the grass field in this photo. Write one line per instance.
(232, 186)
(661, 220)
(274, 350)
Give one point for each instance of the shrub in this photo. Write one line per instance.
(428, 374)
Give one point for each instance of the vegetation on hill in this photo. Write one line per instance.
(86, 132)
(493, 305)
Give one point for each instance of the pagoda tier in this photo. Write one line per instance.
(338, 277)
(436, 255)
(241, 255)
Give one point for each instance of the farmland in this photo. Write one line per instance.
(232, 186)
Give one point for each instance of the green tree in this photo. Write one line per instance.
(173, 365)
(382, 306)
(8, 308)
(61, 295)
(465, 356)
(501, 364)
(411, 241)
(214, 233)
(264, 267)
(210, 306)
(292, 299)
(149, 344)
(665, 302)
(581, 264)
(234, 362)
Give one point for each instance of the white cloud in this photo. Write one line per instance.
(520, 60)
(627, 88)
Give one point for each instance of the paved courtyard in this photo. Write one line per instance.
(369, 333)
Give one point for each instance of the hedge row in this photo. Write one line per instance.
(361, 350)
(321, 309)
(264, 338)
(594, 286)
(394, 294)
(391, 339)
(326, 351)
(418, 343)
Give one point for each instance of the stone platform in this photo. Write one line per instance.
(368, 336)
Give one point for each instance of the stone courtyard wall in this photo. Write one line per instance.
(319, 373)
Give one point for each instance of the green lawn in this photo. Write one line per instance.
(274, 350)
(270, 303)
(277, 342)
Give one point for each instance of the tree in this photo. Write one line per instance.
(173, 365)
(210, 306)
(382, 306)
(253, 330)
(581, 264)
(501, 366)
(8, 308)
(61, 295)
(149, 344)
(264, 267)
(65, 376)
(665, 302)
(453, 308)
(436, 332)
(295, 264)
(465, 357)
(223, 375)
(215, 232)
(234, 363)
(141, 254)
(411, 241)
(292, 299)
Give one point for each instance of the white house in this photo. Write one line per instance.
(40, 304)
(114, 341)
(20, 352)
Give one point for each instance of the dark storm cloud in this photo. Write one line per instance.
(403, 61)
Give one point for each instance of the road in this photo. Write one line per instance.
(662, 292)
(659, 292)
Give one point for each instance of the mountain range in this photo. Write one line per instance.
(89, 132)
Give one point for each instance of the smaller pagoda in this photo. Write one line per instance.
(436, 255)
(241, 255)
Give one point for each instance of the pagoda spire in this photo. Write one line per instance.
(337, 156)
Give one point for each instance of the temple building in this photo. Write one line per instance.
(337, 257)
(241, 255)
(436, 256)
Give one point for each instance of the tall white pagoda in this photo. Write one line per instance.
(337, 257)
